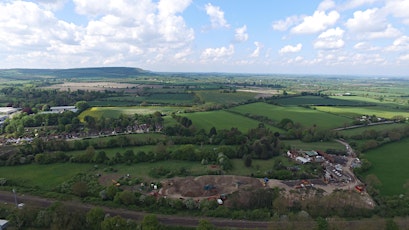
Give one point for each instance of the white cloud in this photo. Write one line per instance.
(352, 4)
(283, 25)
(404, 58)
(319, 21)
(326, 5)
(24, 25)
(118, 33)
(291, 49)
(389, 32)
(365, 46)
(182, 55)
(216, 15)
(52, 4)
(241, 34)
(330, 39)
(371, 24)
(217, 53)
(92, 7)
(256, 52)
(399, 44)
(398, 8)
(167, 8)
(366, 21)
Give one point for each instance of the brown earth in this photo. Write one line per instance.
(205, 186)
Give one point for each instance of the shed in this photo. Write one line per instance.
(302, 160)
(311, 153)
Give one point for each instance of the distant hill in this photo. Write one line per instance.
(98, 72)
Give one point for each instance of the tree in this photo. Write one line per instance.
(322, 224)
(212, 132)
(129, 156)
(80, 188)
(150, 222)
(391, 225)
(115, 222)
(127, 197)
(101, 157)
(82, 106)
(247, 160)
(111, 191)
(94, 218)
(205, 225)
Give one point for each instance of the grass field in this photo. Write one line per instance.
(160, 98)
(359, 111)
(45, 177)
(216, 97)
(114, 112)
(141, 170)
(317, 100)
(384, 127)
(390, 165)
(297, 144)
(304, 116)
(223, 120)
(110, 152)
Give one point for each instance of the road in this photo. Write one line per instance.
(187, 221)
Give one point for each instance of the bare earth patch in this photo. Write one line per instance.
(261, 92)
(92, 86)
(205, 186)
(212, 186)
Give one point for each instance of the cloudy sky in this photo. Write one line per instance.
(369, 37)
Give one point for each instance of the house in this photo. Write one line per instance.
(3, 224)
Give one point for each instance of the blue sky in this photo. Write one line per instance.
(353, 37)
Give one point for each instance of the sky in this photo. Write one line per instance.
(340, 37)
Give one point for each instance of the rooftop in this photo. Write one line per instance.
(8, 110)
(311, 153)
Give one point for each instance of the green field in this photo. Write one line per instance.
(297, 144)
(304, 116)
(223, 120)
(390, 165)
(174, 98)
(359, 111)
(160, 98)
(141, 170)
(45, 177)
(217, 97)
(317, 100)
(114, 112)
(110, 152)
(384, 127)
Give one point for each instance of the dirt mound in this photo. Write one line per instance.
(204, 186)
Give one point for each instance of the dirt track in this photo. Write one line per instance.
(8, 197)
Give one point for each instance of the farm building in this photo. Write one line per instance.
(8, 110)
(302, 160)
(311, 153)
(61, 109)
